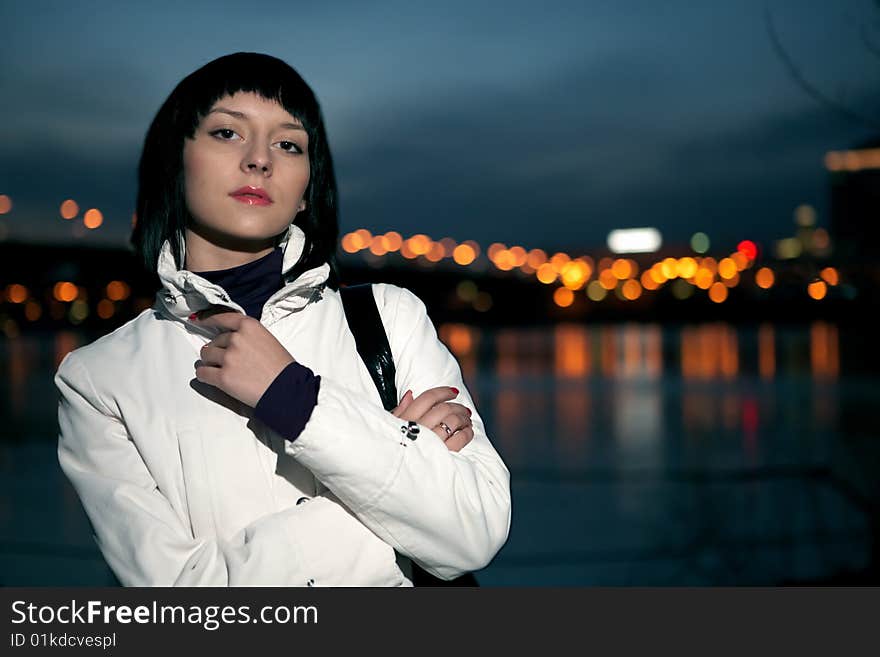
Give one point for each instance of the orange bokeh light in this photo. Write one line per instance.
(727, 268)
(647, 279)
(504, 260)
(464, 254)
(93, 218)
(537, 257)
(621, 268)
(607, 279)
(718, 292)
(563, 297)
(493, 250)
(656, 273)
(16, 293)
(546, 273)
(420, 244)
(69, 209)
(106, 309)
(379, 245)
(764, 278)
(817, 290)
(65, 291)
(436, 252)
(558, 260)
(830, 276)
(703, 278)
(631, 290)
(686, 267)
(117, 290)
(32, 311)
(395, 240)
(519, 255)
(349, 243)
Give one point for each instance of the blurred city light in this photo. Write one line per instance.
(805, 215)
(854, 160)
(93, 218)
(634, 240)
(64, 291)
(117, 290)
(596, 291)
(748, 248)
(700, 242)
(764, 278)
(563, 297)
(718, 292)
(830, 276)
(817, 290)
(464, 254)
(69, 209)
(16, 293)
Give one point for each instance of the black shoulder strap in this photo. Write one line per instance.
(363, 318)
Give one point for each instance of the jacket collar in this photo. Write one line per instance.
(184, 292)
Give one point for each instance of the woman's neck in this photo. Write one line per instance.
(203, 254)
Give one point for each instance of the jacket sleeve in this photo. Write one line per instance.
(448, 511)
(148, 542)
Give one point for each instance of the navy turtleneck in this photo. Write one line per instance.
(287, 403)
(250, 285)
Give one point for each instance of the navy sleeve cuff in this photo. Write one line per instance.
(287, 404)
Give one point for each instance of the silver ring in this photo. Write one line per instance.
(446, 428)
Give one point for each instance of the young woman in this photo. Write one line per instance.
(231, 434)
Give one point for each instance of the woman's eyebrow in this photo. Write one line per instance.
(242, 115)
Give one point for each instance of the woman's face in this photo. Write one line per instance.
(246, 169)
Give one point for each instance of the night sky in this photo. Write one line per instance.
(544, 124)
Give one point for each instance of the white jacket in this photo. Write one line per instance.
(183, 487)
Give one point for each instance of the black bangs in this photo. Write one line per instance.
(264, 75)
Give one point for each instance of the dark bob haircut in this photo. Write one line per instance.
(161, 206)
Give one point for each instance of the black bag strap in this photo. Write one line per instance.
(365, 323)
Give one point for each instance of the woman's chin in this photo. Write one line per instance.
(239, 239)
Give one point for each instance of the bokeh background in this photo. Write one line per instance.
(692, 403)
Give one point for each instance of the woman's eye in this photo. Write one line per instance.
(223, 133)
(289, 146)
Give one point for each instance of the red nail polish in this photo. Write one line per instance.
(193, 316)
(455, 390)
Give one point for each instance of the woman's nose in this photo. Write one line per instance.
(257, 160)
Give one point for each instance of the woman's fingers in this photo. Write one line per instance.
(450, 425)
(405, 401)
(432, 418)
(211, 355)
(426, 401)
(460, 439)
(222, 339)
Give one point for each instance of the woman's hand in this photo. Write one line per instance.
(449, 420)
(243, 360)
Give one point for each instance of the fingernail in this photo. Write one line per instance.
(455, 390)
(193, 316)
(470, 412)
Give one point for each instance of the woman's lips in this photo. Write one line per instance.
(251, 199)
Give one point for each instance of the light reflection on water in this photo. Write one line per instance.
(624, 443)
